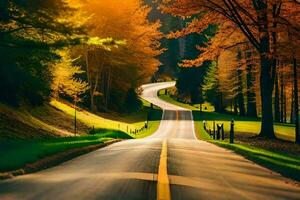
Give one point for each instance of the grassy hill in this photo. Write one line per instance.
(30, 134)
(41, 122)
(127, 123)
(57, 119)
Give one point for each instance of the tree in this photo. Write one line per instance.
(112, 73)
(66, 83)
(254, 20)
(233, 78)
(65, 77)
(239, 85)
(190, 79)
(30, 31)
(296, 101)
(211, 88)
(250, 81)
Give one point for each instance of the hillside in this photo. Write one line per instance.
(41, 122)
(57, 119)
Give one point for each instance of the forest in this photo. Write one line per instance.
(77, 50)
(240, 58)
(249, 55)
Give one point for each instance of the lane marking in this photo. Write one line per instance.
(163, 184)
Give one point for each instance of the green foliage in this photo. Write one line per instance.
(189, 82)
(29, 33)
(211, 89)
(64, 78)
(105, 43)
(15, 154)
(242, 124)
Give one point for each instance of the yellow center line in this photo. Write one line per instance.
(163, 185)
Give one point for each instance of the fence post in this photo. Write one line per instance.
(218, 131)
(232, 131)
(214, 124)
(222, 129)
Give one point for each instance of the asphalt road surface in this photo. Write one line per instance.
(170, 164)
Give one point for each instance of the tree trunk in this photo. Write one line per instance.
(266, 79)
(276, 100)
(251, 97)
(267, 129)
(276, 8)
(284, 105)
(292, 119)
(93, 91)
(235, 106)
(90, 80)
(281, 100)
(109, 79)
(75, 118)
(296, 108)
(240, 96)
(221, 106)
(201, 97)
(241, 104)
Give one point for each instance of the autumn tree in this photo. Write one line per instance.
(256, 20)
(116, 71)
(66, 81)
(212, 88)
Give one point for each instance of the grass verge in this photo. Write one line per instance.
(284, 163)
(16, 154)
(132, 123)
(242, 124)
(280, 156)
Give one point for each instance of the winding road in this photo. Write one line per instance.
(170, 164)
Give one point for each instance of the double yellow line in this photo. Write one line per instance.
(163, 184)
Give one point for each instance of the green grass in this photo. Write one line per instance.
(242, 124)
(168, 98)
(117, 121)
(286, 164)
(15, 154)
(253, 127)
